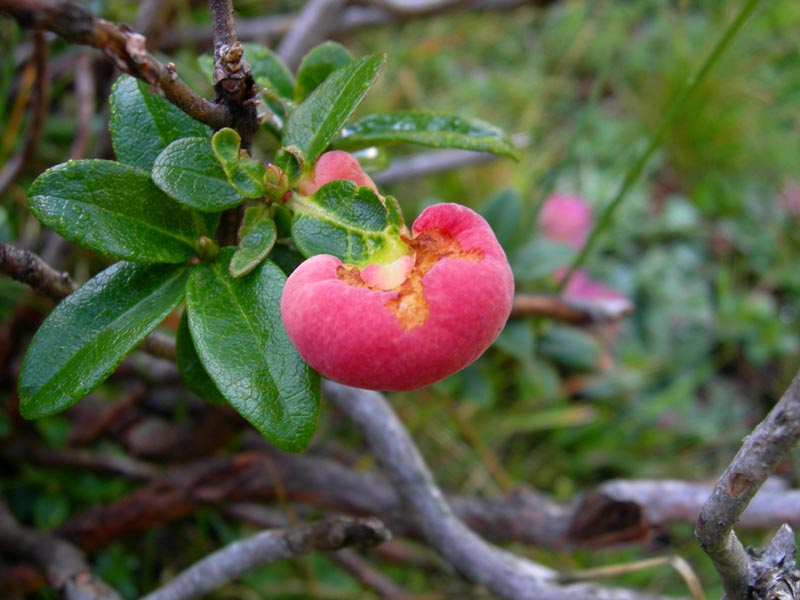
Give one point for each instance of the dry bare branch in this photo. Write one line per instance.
(757, 458)
(125, 48)
(244, 555)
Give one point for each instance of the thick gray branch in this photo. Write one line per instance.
(760, 452)
(503, 573)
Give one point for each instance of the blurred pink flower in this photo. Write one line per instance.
(566, 219)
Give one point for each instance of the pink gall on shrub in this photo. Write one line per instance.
(410, 323)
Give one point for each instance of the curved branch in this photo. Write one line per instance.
(503, 573)
(759, 455)
(125, 48)
(232, 561)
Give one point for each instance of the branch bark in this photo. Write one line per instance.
(28, 268)
(232, 561)
(125, 48)
(63, 564)
(759, 455)
(501, 572)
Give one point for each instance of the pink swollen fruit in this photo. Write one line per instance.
(332, 166)
(408, 324)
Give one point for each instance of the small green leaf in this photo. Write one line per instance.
(269, 70)
(190, 367)
(89, 333)
(245, 174)
(426, 129)
(240, 339)
(348, 222)
(257, 235)
(116, 210)
(320, 118)
(142, 123)
(188, 171)
(315, 67)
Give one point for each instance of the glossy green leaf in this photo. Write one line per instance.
(348, 222)
(115, 209)
(315, 67)
(188, 171)
(88, 334)
(319, 119)
(244, 173)
(240, 339)
(257, 236)
(191, 369)
(427, 129)
(142, 123)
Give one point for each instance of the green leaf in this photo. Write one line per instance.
(269, 70)
(257, 236)
(188, 171)
(426, 129)
(348, 222)
(315, 67)
(142, 123)
(570, 346)
(318, 120)
(539, 258)
(89, 333)
(240, 339)
(504, 213)
(191, 369)
(245, 174)
(116, 210)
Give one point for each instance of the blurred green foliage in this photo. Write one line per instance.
(705, 246)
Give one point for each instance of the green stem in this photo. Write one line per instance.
(672, 112)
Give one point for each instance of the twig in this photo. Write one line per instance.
(126, 49)
(352, 18)
(561, 309)
(17, 163)
(84, 97)
(28, 268)
(232, 79)
(313, 25)
(757, 458)
(266, 547)
(503, 573)
(63, 564)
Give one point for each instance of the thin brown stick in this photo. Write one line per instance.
(266, 547)
(31, 270)
(14, 166)
(125, 48)
(757, 458)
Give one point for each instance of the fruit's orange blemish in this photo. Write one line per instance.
(410, 306)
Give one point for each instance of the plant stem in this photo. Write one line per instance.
(673, 111)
